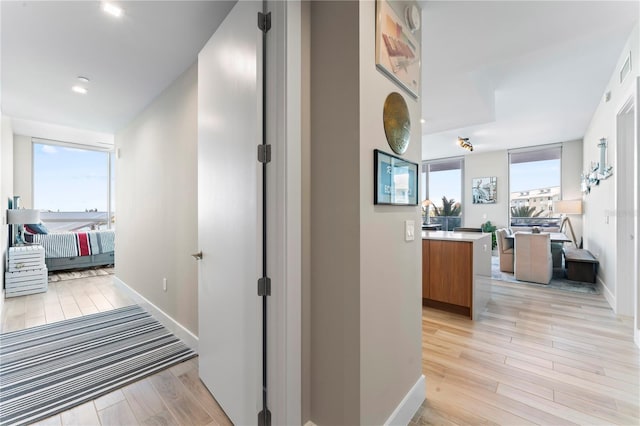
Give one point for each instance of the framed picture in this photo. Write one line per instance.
(397, 45)
(395, 181)
(484, 190)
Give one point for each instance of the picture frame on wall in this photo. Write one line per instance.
(484, 190)
(398, 51)
(395, 180)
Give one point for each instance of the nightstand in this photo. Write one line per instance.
(26, 271)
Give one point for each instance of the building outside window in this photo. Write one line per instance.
(534, 181)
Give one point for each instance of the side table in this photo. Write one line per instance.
(26, 272)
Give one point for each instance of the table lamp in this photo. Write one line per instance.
(21, 217)
(567, 207)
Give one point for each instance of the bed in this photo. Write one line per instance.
(73, 250)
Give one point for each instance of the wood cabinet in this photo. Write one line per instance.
(447, 271)
(450, 278)
(450, 272)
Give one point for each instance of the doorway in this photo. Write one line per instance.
(626, 265)
(230, 170)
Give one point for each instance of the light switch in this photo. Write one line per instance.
(409, 230)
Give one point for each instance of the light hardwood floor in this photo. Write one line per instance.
(536, 356)
(175, 396)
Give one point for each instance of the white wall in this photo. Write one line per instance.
(478, 165)
(156, 195)
(600, 204)
(390, 267)
(496, 163)
(23, 169)
(365, 280)
(6, 186)
(56, 132)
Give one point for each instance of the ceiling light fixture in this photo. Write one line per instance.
(112, 9)
(82, 79)
(464, 143)
(79, 89)
(422, 120)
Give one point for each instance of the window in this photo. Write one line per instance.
(72, 186)
(534, 180)
(442, 193)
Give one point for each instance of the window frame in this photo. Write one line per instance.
(106, 148)
(424, 169)
(534, 149)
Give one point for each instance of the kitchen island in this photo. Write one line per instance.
(456, 271)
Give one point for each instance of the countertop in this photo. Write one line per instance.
(453, 236)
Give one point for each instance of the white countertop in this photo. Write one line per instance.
(454, 236)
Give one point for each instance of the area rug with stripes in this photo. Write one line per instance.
(48, 369)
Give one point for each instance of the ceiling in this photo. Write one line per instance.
(129, 60)
(515, 74)
(504, 74)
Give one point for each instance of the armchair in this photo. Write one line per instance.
(505, 250)
(533, 257)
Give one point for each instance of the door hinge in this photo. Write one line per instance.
(264, 153)
(264, 286)
(264, 21)
(264, 417)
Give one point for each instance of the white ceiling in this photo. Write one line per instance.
(504, 74)
(130, 60)
(513, 74)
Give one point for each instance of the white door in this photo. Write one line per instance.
(625, 139)
(229, 130)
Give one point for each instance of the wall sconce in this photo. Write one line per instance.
(597, 171)
(464, 143)
(603, 171)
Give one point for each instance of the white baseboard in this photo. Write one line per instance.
(404, 412)
(611, 299)
(172, 325)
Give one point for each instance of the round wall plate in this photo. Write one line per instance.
(412, 16)
(397, 123)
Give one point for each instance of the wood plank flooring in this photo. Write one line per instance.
(536, 356)
(175, 396)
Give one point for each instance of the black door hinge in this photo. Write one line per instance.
(264, 418)
(264, 286)
(264, 21)
(264, 153)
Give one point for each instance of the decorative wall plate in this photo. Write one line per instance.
(397, 123)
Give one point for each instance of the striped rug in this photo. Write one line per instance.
(48, 369)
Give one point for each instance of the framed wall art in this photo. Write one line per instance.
(395, 180)
(398, 43)
(484, 190)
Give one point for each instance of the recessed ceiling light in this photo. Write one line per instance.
(79, 89)
(112, 9)
(83, 79)
(422, 120)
